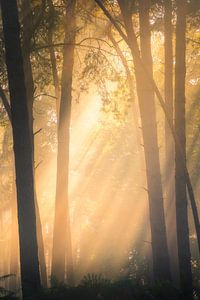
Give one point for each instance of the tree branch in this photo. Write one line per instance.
(5, 103)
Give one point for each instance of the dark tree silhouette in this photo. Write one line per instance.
(28, 31)
(30, 276)
(169, 142)
(180, 174)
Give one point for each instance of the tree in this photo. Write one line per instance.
(62, 245)
(30, 276)
(180, 174)
(145, 93)
(169, 141)
(28, 30)
(134, 48)
(53, 57)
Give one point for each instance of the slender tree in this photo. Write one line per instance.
(180, 175)
(145, 93)
(169, 141)
(30, 275)
(62, 245)
(53, 56)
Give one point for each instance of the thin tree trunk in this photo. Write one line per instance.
(30, 275)
(169, 143)
(161, 266)
(53, 60)
(180, 176)
(62, 244)
(54, 72)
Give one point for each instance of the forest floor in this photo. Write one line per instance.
(106, 290)
(121, 290)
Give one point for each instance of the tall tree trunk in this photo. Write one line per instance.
(62, 244)
(161, 266)
(180, 176)
(54, 72)
(169, 143)
(53, 57)
(30, 275)
(26, 46)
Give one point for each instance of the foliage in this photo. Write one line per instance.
(94, 281)
(97, 287)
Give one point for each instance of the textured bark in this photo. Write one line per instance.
(30, 276)
(161, 266)
(62, 245)
(169, 143)
(180, 175)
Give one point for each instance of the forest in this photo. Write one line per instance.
(100, 149)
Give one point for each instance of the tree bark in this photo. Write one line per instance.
(161, 265)
(62, 244)
(180, 175)
(169, 143)
(30, 275)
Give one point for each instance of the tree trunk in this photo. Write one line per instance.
(53, 59)
(62, 245)
(26, 46)
(30, 275)
(180, 174)
(161, 267)
(169, 143)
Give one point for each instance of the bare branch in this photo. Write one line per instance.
(5, 102)
(36, 132)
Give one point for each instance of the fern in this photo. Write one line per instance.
(94, 281)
